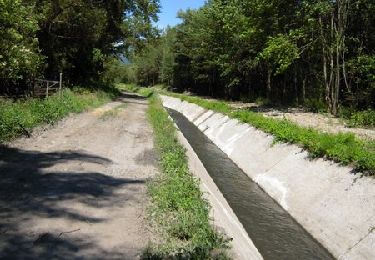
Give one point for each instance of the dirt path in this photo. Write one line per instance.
(78, 190)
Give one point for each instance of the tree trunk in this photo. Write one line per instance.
(325, 51)
(304, 89)
(269, 88)
(295, 85)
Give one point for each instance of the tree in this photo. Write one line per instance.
(19, 53)
(77, 36)
(314, 51)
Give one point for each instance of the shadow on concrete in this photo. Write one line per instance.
(28, 192)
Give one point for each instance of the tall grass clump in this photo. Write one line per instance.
(178, 207)
(343, 148)
(362, 118)
(19, 117)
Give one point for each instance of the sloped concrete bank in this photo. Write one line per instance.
(222, 215)
(335, 206)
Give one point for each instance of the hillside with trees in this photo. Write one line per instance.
(318, 53)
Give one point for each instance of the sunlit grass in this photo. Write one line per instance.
(178, 207)
(18, 118)
(343, 148)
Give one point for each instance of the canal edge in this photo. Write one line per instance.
(221, 213)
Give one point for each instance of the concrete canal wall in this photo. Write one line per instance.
(331, 203)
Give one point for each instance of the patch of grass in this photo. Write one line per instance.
(128, 87)
(343, 148)
(132, 88)
(112, 113)
(355, 118)
(109, 114)
(362, 118)
(18, 118)
(178, 207)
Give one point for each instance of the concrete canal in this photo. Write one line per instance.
(274, 232)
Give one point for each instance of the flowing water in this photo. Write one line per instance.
(274, 232)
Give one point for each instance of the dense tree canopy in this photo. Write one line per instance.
(283, 51)
(76, 37)
(19, 54)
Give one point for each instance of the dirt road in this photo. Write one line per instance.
(78, 190)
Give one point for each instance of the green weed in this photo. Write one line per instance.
(18, 118)
(362, 118)
(178, 207)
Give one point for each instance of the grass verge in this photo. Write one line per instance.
(178, 209)
(18, 118)
(343, 148)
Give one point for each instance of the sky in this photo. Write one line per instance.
(170, 8)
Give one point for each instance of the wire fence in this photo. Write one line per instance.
(19, 88)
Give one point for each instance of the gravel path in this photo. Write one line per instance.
(78, 190)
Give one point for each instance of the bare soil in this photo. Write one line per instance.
(78, 190)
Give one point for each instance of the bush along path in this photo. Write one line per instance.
(178, 210)
(20, 117)
(342, 148)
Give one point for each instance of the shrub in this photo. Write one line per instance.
(316, 105)
(18, 118)
(362, 118)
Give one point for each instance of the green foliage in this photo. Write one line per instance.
(114, 72)
(17, 118)
(361, 70)
(178, 207)
(342, 148)
(362, 118)
(283, 50)
(155, 63)
(19, 54)
(78, 38)
(315, 105)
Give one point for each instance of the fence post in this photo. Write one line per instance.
(47, 88)
(60, 84)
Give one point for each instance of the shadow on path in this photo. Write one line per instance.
(27, 192)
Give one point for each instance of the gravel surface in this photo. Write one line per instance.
(78, 190)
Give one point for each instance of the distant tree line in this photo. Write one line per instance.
(282, 51)
(81, 38)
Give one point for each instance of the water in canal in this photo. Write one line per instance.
(274, 232)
